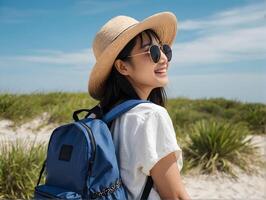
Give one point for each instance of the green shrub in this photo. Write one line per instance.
(59, 106)
(20, 164)
(255, 116)
(225, 103)
(209, 107)
(219, 146)
(184, 118)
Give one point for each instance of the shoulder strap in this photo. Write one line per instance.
(147, 188)
(41, 172)
(121, 108)
(118, 111)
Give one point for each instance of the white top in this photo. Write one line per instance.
(142, 136)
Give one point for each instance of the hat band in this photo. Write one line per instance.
(124, 31)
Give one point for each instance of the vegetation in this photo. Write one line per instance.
(59, 105)
(20, 164)
(219, 146)
(213, 134)
(184, 112)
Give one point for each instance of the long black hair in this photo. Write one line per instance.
(119, 89)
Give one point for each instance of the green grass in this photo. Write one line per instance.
(212, 133)
(183, 111)
(20, 164)
(219, 146)
(59, 106)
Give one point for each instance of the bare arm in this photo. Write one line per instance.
(167, 179)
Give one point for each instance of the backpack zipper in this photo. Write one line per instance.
(92, 139)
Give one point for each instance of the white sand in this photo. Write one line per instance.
(217, 187)
(247, 187)
(30, 130)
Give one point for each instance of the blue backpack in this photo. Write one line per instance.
(81, 162)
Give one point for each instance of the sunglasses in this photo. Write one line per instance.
(155, 52)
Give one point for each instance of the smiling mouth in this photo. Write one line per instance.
(161, 71)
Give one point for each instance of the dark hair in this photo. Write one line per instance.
(119, 89)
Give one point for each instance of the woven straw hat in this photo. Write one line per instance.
(114, 36)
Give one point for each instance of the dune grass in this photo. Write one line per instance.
(20, 164)
(212, 133)
(183, 111)
(59, 106)
(214, 146)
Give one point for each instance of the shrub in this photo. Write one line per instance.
(183, 118)
(255, 116)
(219, 146)
(209, 107)
(59, 106)
(20, 164)
(225, 103)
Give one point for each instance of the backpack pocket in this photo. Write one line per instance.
(51, 192)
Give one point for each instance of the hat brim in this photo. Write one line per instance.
(163, 24)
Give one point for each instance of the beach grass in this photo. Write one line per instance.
(215, 146)
(213, 134)
(21, 108)
(20, 164)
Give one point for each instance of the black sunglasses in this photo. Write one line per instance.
(155, 52)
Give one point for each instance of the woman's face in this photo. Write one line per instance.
(142, 72)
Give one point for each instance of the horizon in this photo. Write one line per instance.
(219, 50)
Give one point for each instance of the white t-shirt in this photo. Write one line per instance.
(142, 136)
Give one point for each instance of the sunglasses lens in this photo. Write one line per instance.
(155, 53)
(167, 51)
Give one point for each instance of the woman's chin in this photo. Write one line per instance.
(163, 81)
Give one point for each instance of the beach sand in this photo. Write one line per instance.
(246, 187)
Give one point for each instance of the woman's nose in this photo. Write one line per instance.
(163, 58)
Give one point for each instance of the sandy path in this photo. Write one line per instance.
(199, 187)
(215, 187)
(29, 130)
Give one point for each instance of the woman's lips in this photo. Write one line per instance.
(162, 71)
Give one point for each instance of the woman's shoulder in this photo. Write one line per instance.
(144, 110)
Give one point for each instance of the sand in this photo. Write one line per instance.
(30, 130)
(198, 186)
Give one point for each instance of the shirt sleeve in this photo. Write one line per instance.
(157, 140)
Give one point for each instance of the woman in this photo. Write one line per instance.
(132, 59)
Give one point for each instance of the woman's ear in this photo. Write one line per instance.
(121, 67)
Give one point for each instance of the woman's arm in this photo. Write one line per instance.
(167, 179)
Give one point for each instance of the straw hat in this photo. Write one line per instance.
(114, 36)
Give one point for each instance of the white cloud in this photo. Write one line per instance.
(237, 45)
(82, 57)
(248, 15)
(229, 36)
(233, 44)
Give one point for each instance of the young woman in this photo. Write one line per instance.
(132, 60)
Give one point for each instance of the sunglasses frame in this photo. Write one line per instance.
(149, 52)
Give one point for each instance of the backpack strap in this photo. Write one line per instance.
(147, 188)
(118, 111)
(96, 110)
(41, 172)
(121, 108)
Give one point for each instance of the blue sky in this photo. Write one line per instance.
(219, 51)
